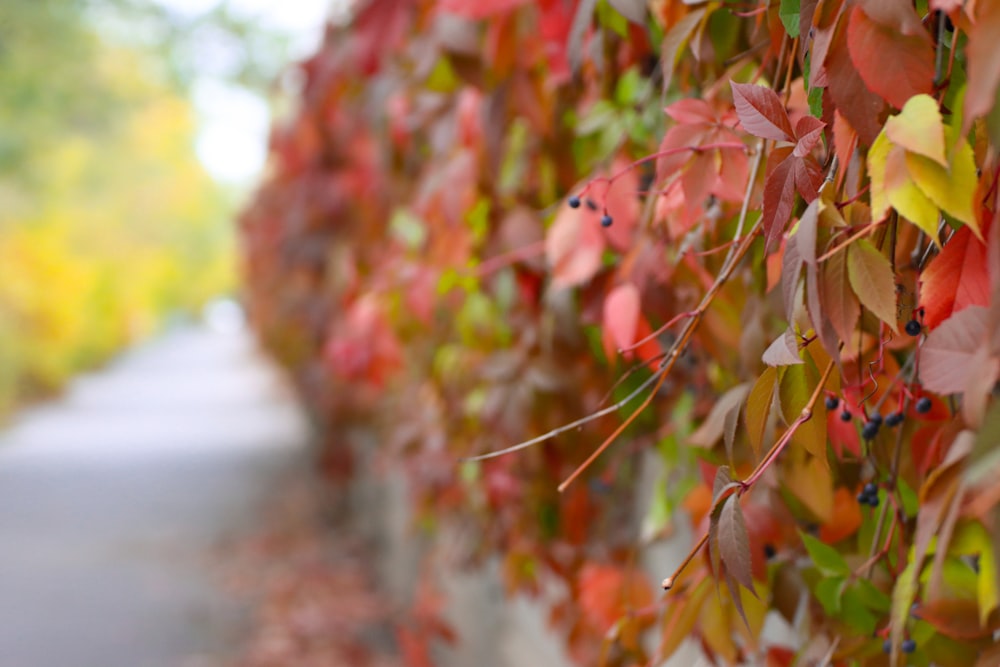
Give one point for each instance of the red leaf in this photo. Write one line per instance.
(949, 358)
(912, 69)
(761, 112)
(779, 196)
(734, 542)
(863, 109)
(621, 318)
(475, 9)
(809, 131)
(984, 62)
(956, 279)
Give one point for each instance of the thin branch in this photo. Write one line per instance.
(772, 455)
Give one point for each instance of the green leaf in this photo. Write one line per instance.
(828, 591)
(826, 559)
(788, 12)
(871, 279)
(903, 594)
(856, 614)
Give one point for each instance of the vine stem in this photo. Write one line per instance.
(766, 462)
(675, 352)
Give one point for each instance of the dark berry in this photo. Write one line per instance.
(923, 405)
(913, 328)
(871, 489)
(887, 646)
(574, 202)
(769, 551)
(908, 646)
(894, 419)
(873, 500)
(591, 204)
(875, 418)
(869, 430)
(832, 402)
(862, 498)
(845, 416)
(607, 220)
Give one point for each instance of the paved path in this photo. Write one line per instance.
(115, 499)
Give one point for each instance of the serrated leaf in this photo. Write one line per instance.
(912, 70)
(759, 402)
(906, 197)
(734, 595)
(809, 131)
(878, 157)
(788, 12)
(734, 543)
(795, 389)
(779, 196)
(948, 357)
(761, 112)
(919, 129)
(714, 425)
(828, 592)
(956, 279)
(791, 271)
(952, 190)
(826, 559)
(784, 351)
(723, 481)
(839, 301)
(871, 279)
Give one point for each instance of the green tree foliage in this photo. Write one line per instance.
(107, 221)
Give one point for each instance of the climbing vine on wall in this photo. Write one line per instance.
(544, 246)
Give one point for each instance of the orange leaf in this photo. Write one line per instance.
(608, 592)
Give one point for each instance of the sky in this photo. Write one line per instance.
(233, 121)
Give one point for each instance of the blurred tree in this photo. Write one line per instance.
(108, 223)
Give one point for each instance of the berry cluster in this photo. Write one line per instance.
(871, 427)
(869, 495)
(894, 419)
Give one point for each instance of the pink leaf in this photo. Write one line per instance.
(621, 318)
(948, 356)
(574, 245)
(761, 112)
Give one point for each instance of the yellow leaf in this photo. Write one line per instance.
(972, 539)
(950, 189)
(906, 197)
(919, 129)
(872, 280)
(759, 407)
(878, 155)
(808, 479)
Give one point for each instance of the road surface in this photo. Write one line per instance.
(116, 500)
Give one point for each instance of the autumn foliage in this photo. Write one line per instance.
(745, 249)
